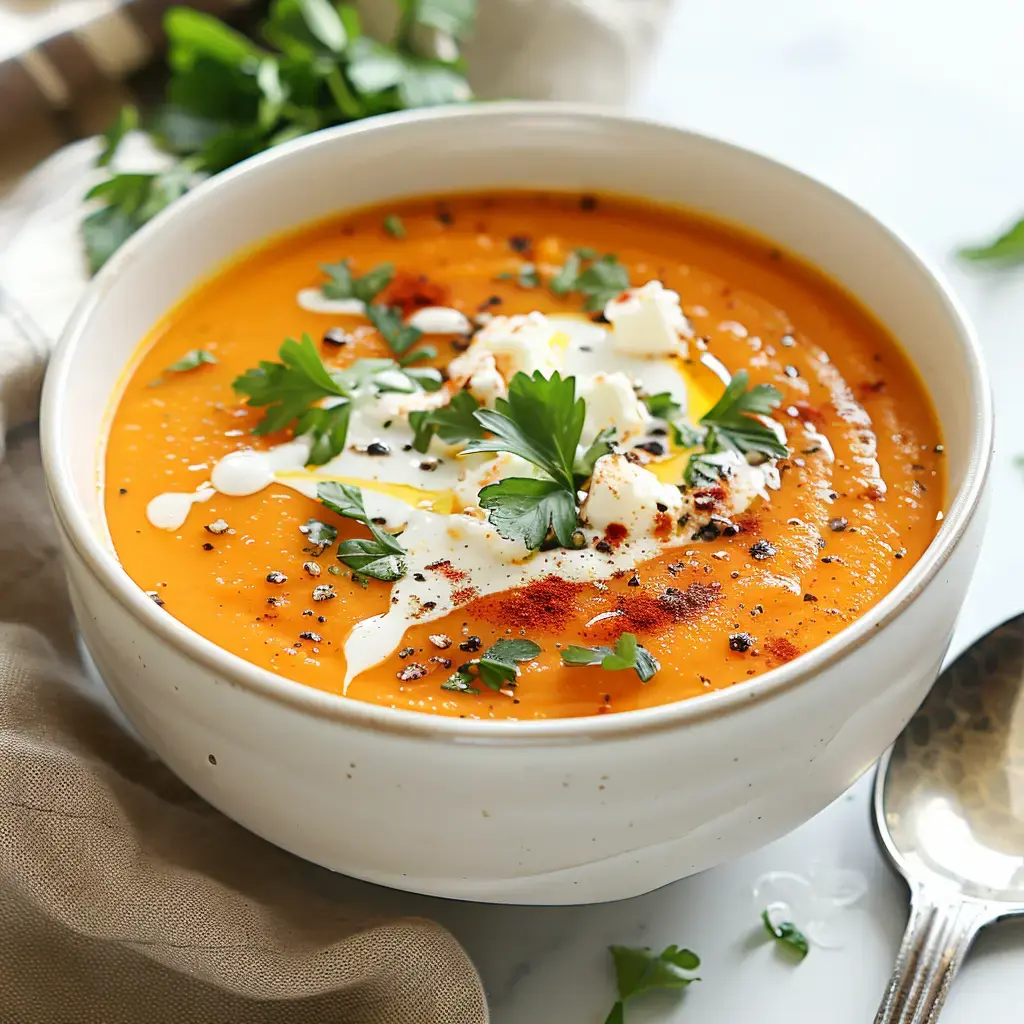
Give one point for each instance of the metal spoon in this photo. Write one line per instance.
(949, 809)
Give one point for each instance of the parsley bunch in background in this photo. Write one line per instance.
(229, 97)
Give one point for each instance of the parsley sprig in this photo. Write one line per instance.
(381, 557)
(1006, 250)
(496, 668)
(541, 421)
(730, 425)
(599, 279)
(453, 423)
(787, 935)
(292, 390)
(642, 970)
(627, 654)
(229, 97)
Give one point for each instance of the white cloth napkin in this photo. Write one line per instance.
(594, 50)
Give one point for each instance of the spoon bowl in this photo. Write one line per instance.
(949, 810)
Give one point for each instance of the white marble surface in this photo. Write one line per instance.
(915, 108)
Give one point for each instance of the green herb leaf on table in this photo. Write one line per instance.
(495, 668)
(453, 422)
(393, 226)
(228, 98)
(191, 360)
(127, 120)
(1007, 249)
(382, 556)
(787, 935)
(627, 654)
(642, 970)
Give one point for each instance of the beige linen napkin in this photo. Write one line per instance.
(124, 899)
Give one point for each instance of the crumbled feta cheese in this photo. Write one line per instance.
(647, 321)
(622, 492)
(517, 344)
(611, 402)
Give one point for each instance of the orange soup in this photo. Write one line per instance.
(520, 455)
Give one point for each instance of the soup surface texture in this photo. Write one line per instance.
(642, 532)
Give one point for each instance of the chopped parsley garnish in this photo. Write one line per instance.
(399, 336)
(495, 668)
(730, 426)
(787, 935)
(191, 360)
(540, 421)
(291, 392)
(452, 423)
(381, 557)
(642, 970)
(662, 406)
(603, 278)
(601, 445)
(393, 226)
(343, 284)
(229, 97)
(528, 276)
(1006, 250)
(627, 654)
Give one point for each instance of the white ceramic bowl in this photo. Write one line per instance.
(572, 811)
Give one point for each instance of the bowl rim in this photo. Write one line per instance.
(105, 568)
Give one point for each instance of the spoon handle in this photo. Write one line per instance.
(939, 933)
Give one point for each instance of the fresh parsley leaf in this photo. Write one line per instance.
(381, 557)
(787, 935)
(319, 534)
(288, 388)
(399, 336)
(328, 428)
(359, 578)
(452, 17)
(732, 420)
(627, 654)
(191, 360)
(701, 471)
(685, 434)
(565, 280)
(601, 282)
(343, 500)
(1006, 250)
(460, 682)
(130, 200)
(525, 509)
(343, 284)
(540, 421)
(662, 406)
(528, 276)
(393, 226)
(127, 120)
(495, 668)
(641, 970)
(453, 422)
(228, 98)
(601, 445)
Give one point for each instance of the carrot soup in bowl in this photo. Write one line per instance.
(445, 508)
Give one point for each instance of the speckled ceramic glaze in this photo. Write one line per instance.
(577, 810)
